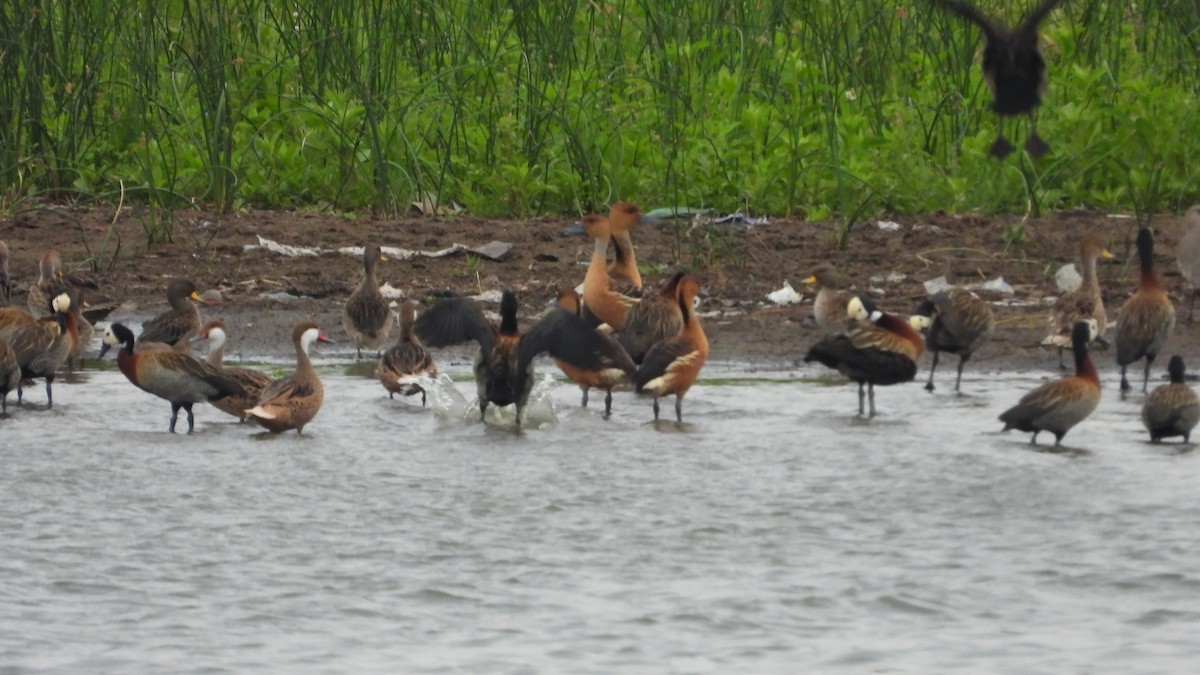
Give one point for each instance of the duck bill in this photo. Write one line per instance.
(104, 347)
(196, 298)
(321, 337)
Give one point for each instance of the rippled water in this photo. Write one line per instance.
(773, 532)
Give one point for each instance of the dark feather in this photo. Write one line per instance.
(660, 357)
(567, 337)
(454, 321)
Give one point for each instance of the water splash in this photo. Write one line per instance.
(449, 403)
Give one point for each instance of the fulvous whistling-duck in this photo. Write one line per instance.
(1188, 254)
(407, 361)
(879, 349)
(1014, 70)
(252, 381)
(179, 378)
(671, 366)
(1147, 317)
(653, 319)
(624, 275)
(10, 373)
(616, 367)
(182, 320)
(599, 298)
(1059, 405)
(504, 365)
(955, 321)
(1085, 302)
(291, 402)
(368, 319)
(829, 307)
(1171, 409)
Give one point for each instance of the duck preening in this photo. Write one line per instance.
(179, 378)
(402, 366)
(1013, 68)
(1085, 302)
(252, 381)
(829, 307)
(1059, 405)
(954, 321)
(615, 368)
(1171, 409)
(879, 349)
(504, 365)
(179, 322)
(1147, 317)
(672, 365)
(291, 402)
(367, 318)
(1188, 254)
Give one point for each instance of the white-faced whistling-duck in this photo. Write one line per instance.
(1059, 405)
(955, 321)
(1147, 317)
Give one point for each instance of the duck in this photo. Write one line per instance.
(291, 402)
(179, 378)
(829, 307)
(1081, 304)
(10, 373)
(600, 299)
(182, 320)
(672, 365)
(623, 273)
(252, 381)
(43, 345)
(504, 371)
(1171, 409)
(367, 317)
(956, 321)
(1014, 70)
(5, 279)
(651, 320)
(615, 368)
(879, 348)
(407, 361)
(1147, 318)
(1188, 255)
(49, 285)
(1059, 405)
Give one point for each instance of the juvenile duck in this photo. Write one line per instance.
(251, 381)
(1188, 254)
(1085, 302)
(291, 402)
(653, 319)
(1147, 317)
(407, 361)
(829, 307)
(954, 321)
(10, 373)
(615, 368)
(1013, 68)
(504, 366)
(367, 318)
(1059, 405)
(182, 320)
(179, 378)
(1171, 409)
(879, 349)
(672, 365)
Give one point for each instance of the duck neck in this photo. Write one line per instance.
(216, 354)
(1084, 368)
(626, 261)
(303, 363)
(596, 273)
(1147, 279)
(1089, 273)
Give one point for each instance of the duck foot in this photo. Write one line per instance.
(1001, 148)
(1036, 147)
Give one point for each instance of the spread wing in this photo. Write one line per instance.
(970, 13)
(1039, 13)
(566, 336)
(453, 321)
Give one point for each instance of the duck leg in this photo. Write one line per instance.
(1146, 373)
(871, 397)
(607, 402)
(422, 398)
(1033, 441)
(174, 416)
(1001, 148)
(679, 409)
(191, 417)
(1061, 364)
(1034, 145)
(49, 391)
(1124, 383)
(585, 397)
(482, 408)
(861, 395)
(655, 408)
(962, 361)
(929, 385)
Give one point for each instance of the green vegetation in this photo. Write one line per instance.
(823, 108)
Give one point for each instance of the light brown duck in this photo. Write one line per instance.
(291, 402)
(251, 381)
(1085, 302)
(1059, 405)
(367, 317)
(1147, 317)
(42, 346)
(829, 307)
(402, 366)
(955, 321)
(1171, 409)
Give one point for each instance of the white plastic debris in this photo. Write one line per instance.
(888, 226)
(390, 292)
(288, 250)
(488, 296)
(1067, 278)
(997, 285)
(934, 285)
(784, 296)
(891, 278)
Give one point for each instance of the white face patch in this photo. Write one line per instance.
(308, 338)
(110, 338)
(61, 302)
(855, 309)
(1093, 330)
(919, 322)
(216, 338)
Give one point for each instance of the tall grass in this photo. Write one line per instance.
(825, 108)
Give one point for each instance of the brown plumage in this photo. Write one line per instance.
(504, 366)
(1171, 409)
(829, 307)
(1013, 68)
(623, 273)
(251, 381)
(407, 361)
(954, 321)
(671, 366)
(291, 402)
(653, 319)
(603, 301)
(49, 285)
(614, 371)
(10, 373)
(181, 320)
(1081, 304)
(1188, 254)
(879, 349)
(367, 318)
(43, 345)
(1059, 405)
(5, 279)
(179, 378)
(1147, 317)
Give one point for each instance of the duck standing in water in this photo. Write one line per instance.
(504, 366)
(955, 321)
(829, 307)
(179, 322)
(291, 402)
(43, 345)
(407, 361)
(252, 381)
(601, 299)
(615, 368)
(367, 317)
(1147, 317)
(1059, 405)
(1171, 409)
(179, 378)
(653, 319)
(880, 349)
(1081, 304)
(671, 366)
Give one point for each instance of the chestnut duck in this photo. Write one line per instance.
(1059, 405)
(402, 366)
(10, 373)
(367, 317)
(671, 366)
(291, 402)
(653, 319)
(1147, 317)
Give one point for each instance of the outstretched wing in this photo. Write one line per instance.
(453, 321)
(1035, 17)
(566, 336)
(970, 13)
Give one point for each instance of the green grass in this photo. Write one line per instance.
(823, 108)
